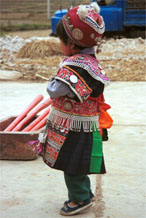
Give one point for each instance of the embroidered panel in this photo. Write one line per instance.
(55, 140)
(75, 82)
(87, 108)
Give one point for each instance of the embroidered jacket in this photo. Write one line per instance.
(82, 111)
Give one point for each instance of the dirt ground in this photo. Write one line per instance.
(122, 59)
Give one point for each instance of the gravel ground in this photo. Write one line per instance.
(123, 59)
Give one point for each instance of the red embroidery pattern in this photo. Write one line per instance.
(57, 138)
(52, 154)
(80, 87)
(78, 76)
(86, 108)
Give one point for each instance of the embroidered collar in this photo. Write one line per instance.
(89, 63)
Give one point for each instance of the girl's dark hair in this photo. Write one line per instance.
(60, 31)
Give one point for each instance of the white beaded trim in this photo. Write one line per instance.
(73, 122)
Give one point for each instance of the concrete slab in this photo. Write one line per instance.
(123, 187)
(31, 189)
(128, 102)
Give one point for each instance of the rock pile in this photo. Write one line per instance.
(124, 59)
(38, 58)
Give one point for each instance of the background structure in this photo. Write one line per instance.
(15, 12)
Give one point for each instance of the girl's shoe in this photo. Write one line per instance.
(92, 198)
(66, 202)
(68, 211)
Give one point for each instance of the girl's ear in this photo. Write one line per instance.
(71, 44)
(73, 48)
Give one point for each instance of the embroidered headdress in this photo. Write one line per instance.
(84, 25)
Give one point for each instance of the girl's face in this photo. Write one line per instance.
(65, 48)
(69, 48)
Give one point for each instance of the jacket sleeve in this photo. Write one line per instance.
(58, 88)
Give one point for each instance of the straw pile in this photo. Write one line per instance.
(40, 49)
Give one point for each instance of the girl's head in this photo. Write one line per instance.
(67, 45)
(82, 25)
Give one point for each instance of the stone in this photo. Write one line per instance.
(9, 75)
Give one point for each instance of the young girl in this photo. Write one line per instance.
(74, 143)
